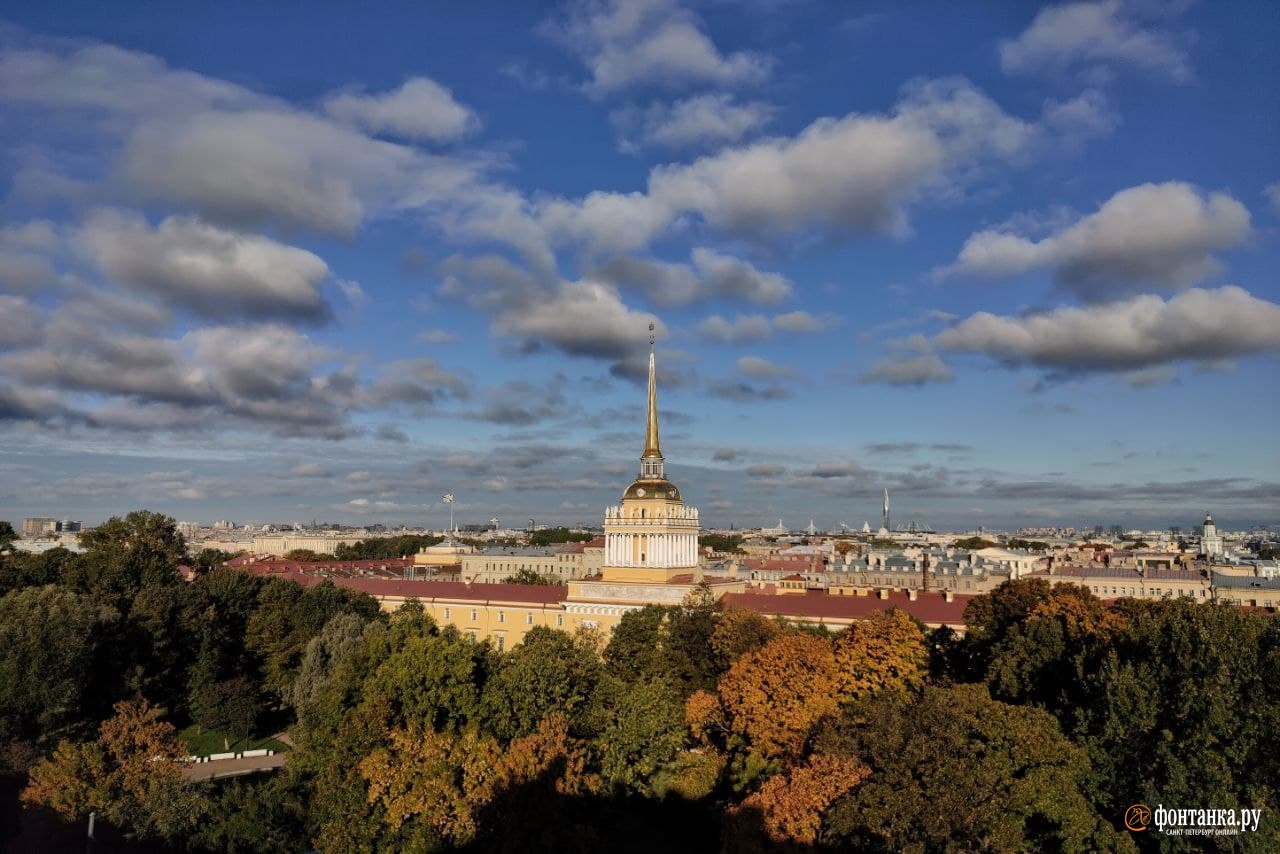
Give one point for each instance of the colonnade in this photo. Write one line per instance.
(659, 550)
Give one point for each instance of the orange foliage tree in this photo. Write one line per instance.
(772, 698)
(789, 807)
(885, 652)
(132, 774)
(444, 781)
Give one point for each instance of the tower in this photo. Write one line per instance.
(651, 536)
(886, 509)
(1210, 539)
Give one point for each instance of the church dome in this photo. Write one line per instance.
(644, 488)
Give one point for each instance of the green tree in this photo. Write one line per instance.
(528, 575)
(727, 543)
(954, 769)
(643, 733)
(974, 543)
(550, 671)
(306, 556)
(229, 707)
(252, 814)
(7, 535)
(554, 536)
(207, 560)
(53, 648)
(33, 569)
(338, 642)
(385, 547)
(124, 555)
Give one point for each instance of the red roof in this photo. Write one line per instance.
(525, 594)
(928, 607)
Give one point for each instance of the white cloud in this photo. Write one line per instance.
(209, 270)
(1272, 192)
(437, 336)
(1198, 325)
(711, 274)
(1088, 114)
(703, 120)
(759, 368)
(20, 322)
(353, 293)
(1093, 35)
(579, 319)
(757, 327)
(113, 80)
(803, 321)
(234, 155)
(907, 370)
(751, 327)
(1160, 234)
(627, 43)
(420, 109)
(837, 177)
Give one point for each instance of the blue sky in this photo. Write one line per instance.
(301, 261)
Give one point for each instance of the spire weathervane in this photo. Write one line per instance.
(651, 460)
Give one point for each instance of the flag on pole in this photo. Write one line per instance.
(448, 498)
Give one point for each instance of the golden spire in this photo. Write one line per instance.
(651, 447)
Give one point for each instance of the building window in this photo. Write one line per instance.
(473, 617)
(472, 635)
(502, 643)
(448, 613)
(528, 618)
(502, 617)
(559, 619)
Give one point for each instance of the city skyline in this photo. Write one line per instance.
(1014, 275)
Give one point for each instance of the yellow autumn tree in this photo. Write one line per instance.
(789, 807)
(886, 651)
(444, 781)
(133, 774)
(773, 698)
(704, 716)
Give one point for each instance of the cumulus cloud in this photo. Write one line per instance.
(111, 80)
(803, 321)
(234, 155)
(1094, 36)
(579, 319)
(420, 109)
(906, 369)
(1152, 234)
(437, 336)
(414, 382)
(626, 43)
(757, 327)
(1086, 115)
(837, 177)
(208, 270)
(751, 327)
(759, 368)
(711, 274)
(743, 392)
(1272, 192)
(766, 470)
(1140, 333)
(20, 322)
(703, 120)
(255, 167)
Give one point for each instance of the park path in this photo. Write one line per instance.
(218, 768)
